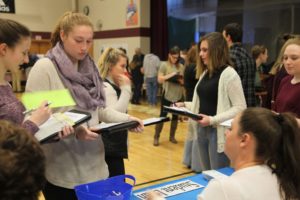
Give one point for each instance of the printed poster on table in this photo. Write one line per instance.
(132, 13)
(7, 6)
(172, 189)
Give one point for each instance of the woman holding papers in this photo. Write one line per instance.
(71, 161)
(264, 151)
(117, 87)
(171, 76)
(218, 96)
(15, 40)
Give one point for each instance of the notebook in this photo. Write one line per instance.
(58, 98)
(49, 129)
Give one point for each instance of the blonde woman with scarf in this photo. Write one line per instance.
(67, 65)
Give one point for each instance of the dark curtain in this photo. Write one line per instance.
(159, 28)
(182, 32)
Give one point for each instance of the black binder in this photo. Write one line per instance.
(182, 111)
(175, 78)
(110, 128)
(50, 129)
(158, 120)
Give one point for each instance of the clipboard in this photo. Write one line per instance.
(110, 128)
(175, 78)
(182, 111)
(155, 120)
(57, 121)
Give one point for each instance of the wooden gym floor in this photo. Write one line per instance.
(149, 164)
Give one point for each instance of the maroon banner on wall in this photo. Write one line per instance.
(7, 6)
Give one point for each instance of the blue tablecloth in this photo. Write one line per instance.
(187, 195)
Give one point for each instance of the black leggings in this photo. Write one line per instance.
(165, 102)
(53, 192)
(115, 165)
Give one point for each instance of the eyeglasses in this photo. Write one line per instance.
(175, 57)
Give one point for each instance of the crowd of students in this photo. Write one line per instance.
(79, 156)
(261, 145)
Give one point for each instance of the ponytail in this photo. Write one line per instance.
(109, 58)
(66, 23)
(102, 64)
(286, 161)
(277, 137)
(55, 35)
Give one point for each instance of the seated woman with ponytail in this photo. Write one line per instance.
(264, 151)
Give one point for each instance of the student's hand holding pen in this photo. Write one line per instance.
(178, 104)
(41, 114)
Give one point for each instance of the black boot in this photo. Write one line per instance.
(172, 131)
(158, 129)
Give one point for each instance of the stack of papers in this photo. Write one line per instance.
(213, 174)
(57, 121)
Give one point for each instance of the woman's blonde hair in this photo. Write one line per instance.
(66, 23)
(218, 54)
(278, 63)
(108, 59)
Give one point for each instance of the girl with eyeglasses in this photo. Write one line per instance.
(170, 75)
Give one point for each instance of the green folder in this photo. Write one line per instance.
(58, 98)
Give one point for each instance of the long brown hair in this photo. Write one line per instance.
(191, 57)
(66, 23)
(277, 137)
(218, 54)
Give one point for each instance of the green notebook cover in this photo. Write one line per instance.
(58, 98)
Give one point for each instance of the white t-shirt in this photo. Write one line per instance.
(251, 183)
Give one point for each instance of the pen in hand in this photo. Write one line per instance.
(33, 109)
